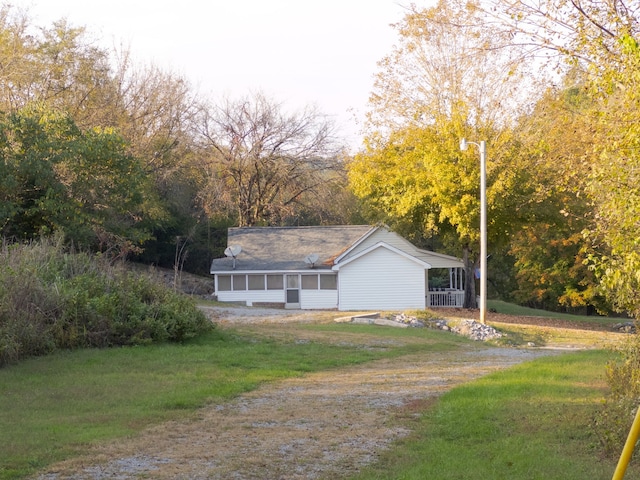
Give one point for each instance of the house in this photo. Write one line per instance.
(354, 267)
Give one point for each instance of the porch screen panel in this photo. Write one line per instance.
(275, 282)
(310, 282)
(328, 282)
(239, 282)
(256, 282)
(224, 283)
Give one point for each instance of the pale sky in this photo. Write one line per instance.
(298, 52)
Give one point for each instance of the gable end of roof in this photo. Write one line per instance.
(378, 245)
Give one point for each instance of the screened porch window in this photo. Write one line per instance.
(275, 282)
(309, 282)
(239, 282)
(328, 282)
(224, 283)
(256, 282)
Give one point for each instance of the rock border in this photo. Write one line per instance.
(467, 327)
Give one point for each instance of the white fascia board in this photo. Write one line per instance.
(271, 272)
(382, 245)
(456, 262)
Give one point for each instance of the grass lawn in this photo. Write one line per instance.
(526, 423)
(513, 309)
(529, 422)
(54, 407)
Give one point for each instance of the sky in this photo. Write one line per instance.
(298, 52)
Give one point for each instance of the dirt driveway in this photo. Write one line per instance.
(324, 425)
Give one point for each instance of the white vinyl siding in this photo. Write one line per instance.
(249, 297)
(382, 235)
(382, 280)
(318, 299)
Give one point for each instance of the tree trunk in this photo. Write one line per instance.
(470, 300)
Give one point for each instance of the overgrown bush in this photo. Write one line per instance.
(613, 421)
(51, 298)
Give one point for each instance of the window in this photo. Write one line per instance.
(292, 281)
(328, 282)
(256, 282)
(224, 283)
(275, 282)
(310, 282)
(239, 282)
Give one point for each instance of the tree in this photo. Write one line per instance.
(549, 248)
(57, 65)
(569, 33)
(448, 61)
(602, 39)
(56, 177)
(444, 81)
(261, 161)
(419, 177)
(151, 110)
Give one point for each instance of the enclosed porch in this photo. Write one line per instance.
(445, 288)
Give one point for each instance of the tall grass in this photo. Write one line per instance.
(51, 298)
(614, 420)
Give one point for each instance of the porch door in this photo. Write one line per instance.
(293, 290)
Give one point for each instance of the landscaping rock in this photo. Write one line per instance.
(625, 327)
(390, 323)
(469, 328)
(477, 331)
(407, 320)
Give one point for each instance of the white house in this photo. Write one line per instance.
(355, 267)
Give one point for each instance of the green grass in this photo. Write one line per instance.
(513, 309)
(54, 407)
(529, 422)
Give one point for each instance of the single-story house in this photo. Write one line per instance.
(354, 267)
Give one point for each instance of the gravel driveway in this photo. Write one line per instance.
(323, 425)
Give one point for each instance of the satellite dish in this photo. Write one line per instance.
(233, 251)
(311, 259)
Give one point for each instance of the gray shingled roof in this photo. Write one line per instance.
(285, 248)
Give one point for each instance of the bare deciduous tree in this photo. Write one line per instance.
(261, 160)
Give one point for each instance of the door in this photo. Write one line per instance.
(293, 291)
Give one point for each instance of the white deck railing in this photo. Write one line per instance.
(448, 298)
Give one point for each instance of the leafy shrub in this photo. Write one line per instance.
(613, 422)
(51, 299)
